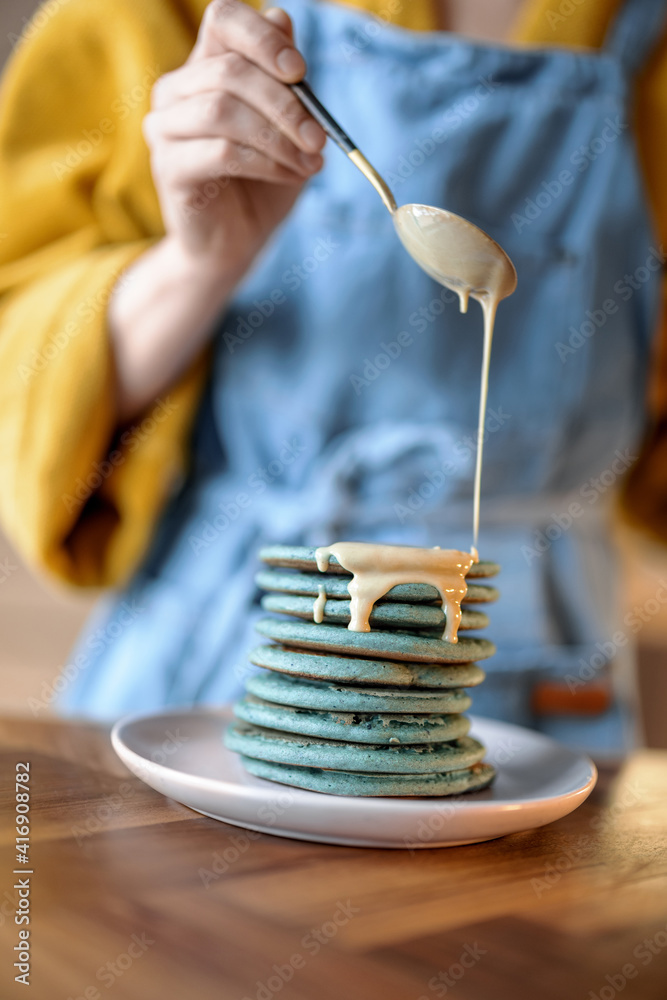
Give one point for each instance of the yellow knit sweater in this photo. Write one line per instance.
(78, 205)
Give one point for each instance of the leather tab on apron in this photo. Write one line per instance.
(558, 698)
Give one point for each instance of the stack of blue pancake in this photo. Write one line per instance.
(362, 713)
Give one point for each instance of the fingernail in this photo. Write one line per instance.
(311, 134)
(310, 162)
(290, 62)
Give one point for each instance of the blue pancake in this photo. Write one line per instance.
(303, 558)
(349, 669)
(352, 727)
(299, 693)
(387, 615)
(469, 779)
(310, 751)
(398, 645)
(308, 584)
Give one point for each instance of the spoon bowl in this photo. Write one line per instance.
(455, 253)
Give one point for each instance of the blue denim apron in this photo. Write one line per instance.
(343, 397)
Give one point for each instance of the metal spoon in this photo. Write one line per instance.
(450, 249)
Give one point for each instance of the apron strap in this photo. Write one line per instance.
(635, 32)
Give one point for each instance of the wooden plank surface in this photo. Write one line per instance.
(132, 896)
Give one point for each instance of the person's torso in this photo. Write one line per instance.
(345, 386)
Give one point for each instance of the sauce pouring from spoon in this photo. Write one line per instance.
(451, 250)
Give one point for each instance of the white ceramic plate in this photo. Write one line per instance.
(181, 754)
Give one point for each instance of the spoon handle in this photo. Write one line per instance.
(321, 115)
(342, 139)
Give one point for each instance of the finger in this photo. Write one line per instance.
(186, 164)
(233, 74)
(222, 115)
(232, 26)
(281, 19)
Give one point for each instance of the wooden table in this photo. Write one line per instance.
(135, 896)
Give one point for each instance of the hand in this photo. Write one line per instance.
(231, 146)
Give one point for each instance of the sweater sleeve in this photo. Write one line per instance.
(645, 489)
(77, 207)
